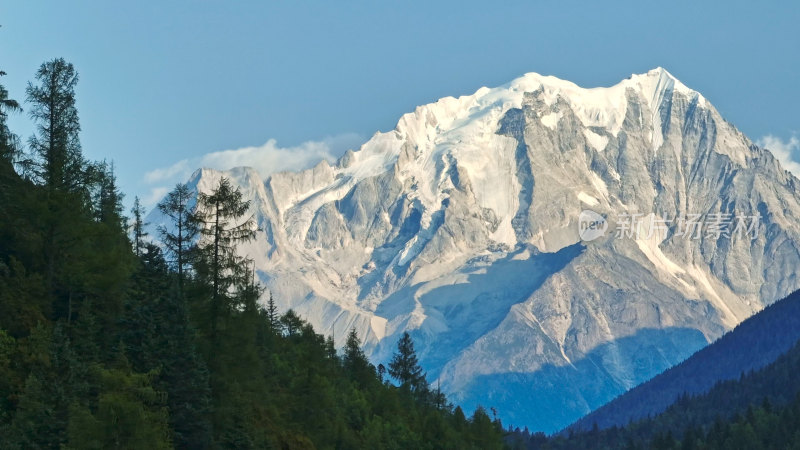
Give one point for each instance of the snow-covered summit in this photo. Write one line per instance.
(461, 227)
(599, 106)
(451, 118)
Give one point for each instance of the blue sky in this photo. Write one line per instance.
(165, 84)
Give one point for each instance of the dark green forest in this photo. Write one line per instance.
(109, 341)
(762, 427)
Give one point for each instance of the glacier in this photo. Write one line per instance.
(460, 226)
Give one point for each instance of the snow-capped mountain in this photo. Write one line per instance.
(461, 226)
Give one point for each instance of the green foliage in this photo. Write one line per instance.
(104, 343)
(405, 367)
(129, 413)
(178, 237)
(219, 217)
(55, 380)
(760, 409)
(158, 336)
(56, 160)
(21, 294)
(106, 197)
(138, 227)
(753, 344)
(9, 145)
(355, 362)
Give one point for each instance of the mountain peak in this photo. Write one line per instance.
(462, 226)
(658, 72)
(657, 83)
(603, 107)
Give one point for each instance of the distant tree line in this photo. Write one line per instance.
(758, 410)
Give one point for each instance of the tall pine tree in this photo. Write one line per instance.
(179, 237)
(138, 227)
(220, 216)
(355, 361)
(56, 160)
(9, 145)
(404, 366)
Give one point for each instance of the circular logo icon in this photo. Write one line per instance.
(591, 225)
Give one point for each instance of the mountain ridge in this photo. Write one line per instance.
(752, 345)
(461, 226)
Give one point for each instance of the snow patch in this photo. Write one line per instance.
(654, 254)
(728, 316)
(378, 326)
(588, 199)
(551, 120)
(595, 140)
(599, 185)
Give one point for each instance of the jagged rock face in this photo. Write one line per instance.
(461, 226)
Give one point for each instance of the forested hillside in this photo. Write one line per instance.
(759, 409)
(753, 344)
(761, 426)
(108, 341)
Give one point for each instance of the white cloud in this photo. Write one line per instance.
(266, 159)
(154, 196)
(166, 173)
(787, 152)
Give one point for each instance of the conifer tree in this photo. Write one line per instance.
(129, 413)
(8, 140)
(157, 334)
(179, 237)
(381, 372)
(107, 197)
(273, 318)
(353, 354)
(355, 361)
(56, 381)
(57, 161)
(291, 323)
(485, 433)
(138, 227)
(404, 366)
(99, 352)
(220, 218)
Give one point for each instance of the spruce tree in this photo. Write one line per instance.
(107, 197)
(57, 161)
(99, 352)
(157, 335)
(179, 237)
(56, 381)
(291, 323)
(138, 227)
(352, 349)
(9, 145)
(129, 413)
(273, 318)
(381, 372)
(355, 361)
(220, 218)
(404, 366)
